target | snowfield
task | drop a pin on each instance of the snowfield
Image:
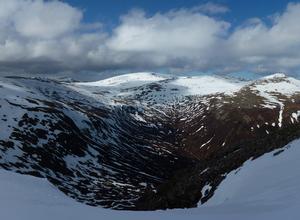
(159, 88)
(265, 188)
(127, 80)
(193, 85)
(205, 85)
(169, 87)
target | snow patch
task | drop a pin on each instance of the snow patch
(205, 190)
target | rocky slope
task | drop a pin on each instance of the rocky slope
(143, 141)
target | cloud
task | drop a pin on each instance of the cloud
(45, 36)
(167, 33)
(275, 47)
(39, 19)
(212, 8)
(174, 39)
(40, 36)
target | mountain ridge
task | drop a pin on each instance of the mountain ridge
(131, 146)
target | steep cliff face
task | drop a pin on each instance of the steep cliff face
(143, 141)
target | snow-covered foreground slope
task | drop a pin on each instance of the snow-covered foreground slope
(268, 186)
(265, 188)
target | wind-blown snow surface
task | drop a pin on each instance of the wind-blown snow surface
(265, 188)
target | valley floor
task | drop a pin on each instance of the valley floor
(266, 188)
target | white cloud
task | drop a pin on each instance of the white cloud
(176, 39)
(46, 19)
(38, 35)
(275, 47)
(39, 19)
(173, 32)
(49, 36)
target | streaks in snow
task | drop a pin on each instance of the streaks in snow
(206, 143)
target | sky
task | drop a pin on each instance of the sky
(109, 36)
(109, 11)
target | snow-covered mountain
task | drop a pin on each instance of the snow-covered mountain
(144, 141)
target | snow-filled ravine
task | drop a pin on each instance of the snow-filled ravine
(265, 188)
